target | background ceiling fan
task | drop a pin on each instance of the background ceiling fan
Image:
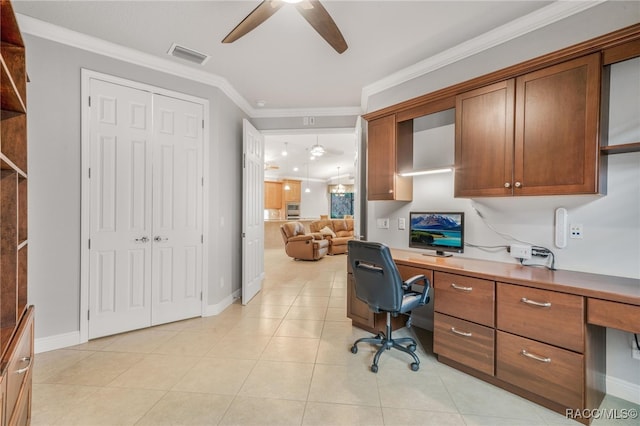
(311, 10)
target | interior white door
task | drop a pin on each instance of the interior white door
(252, 211)
(177, 209)
(120, 209)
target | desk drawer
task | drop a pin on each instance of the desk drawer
(465, 342)
(554, 373)
(613, 314)
(465, 297)
(547, 316)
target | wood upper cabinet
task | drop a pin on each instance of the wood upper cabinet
(272, 195)
(293, 194)
(484, 141)
(389, 150)
(533, 135)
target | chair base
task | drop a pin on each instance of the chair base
(387, 342)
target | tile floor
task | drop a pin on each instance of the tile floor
(282, 360)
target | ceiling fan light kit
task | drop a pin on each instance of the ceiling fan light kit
(311, 10)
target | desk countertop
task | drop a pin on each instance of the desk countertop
(606, 287)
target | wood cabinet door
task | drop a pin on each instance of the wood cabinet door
(272, 195)
(556, 129)
(381, 158)
(484, 141)
(293, 194)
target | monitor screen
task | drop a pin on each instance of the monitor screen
(439, 231)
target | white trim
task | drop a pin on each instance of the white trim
(85, 77)
(540, 18)
(547, 15)
(219, 307)
(68, 37)
(58, 341)
(78, 40)
(623, 389)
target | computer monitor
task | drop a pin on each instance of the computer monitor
(439, 231)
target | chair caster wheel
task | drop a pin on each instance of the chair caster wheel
(374, 368)
(412, 348)
(354, 349)
(415, 366)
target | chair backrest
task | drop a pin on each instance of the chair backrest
(377, 280)
(291, 229)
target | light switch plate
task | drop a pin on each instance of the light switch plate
(401, 223)
(383, 223)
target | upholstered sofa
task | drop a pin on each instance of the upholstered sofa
(337, 231)
(300, 245)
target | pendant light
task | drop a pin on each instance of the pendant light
(307, 190)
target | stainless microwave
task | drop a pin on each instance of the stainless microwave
(293, 210)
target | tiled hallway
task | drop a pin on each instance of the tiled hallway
(282, 360)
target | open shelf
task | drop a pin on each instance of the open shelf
(620, 149)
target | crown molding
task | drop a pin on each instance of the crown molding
(92, 44)
(547, 15)
(307, 112)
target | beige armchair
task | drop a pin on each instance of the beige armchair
(303, 246)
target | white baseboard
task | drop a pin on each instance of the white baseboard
(59, 341)
(623, 389)
(222, 305)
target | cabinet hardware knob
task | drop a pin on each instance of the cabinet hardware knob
(25, 369)
(461, 333)
(391, 191)
(142, 239)
(458, 287)
(536, 357)
(518, 185)
(534, 303)
(507, 184)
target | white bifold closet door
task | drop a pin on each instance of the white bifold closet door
(145, 209)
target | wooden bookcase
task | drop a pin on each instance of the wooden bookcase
(16, 319)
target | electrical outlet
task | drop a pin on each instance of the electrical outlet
(575, 231)
(520, 251)
(401, 223)
(383, 223)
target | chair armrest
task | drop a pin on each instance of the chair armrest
(317, 236)
(307, 237)
(418, 284)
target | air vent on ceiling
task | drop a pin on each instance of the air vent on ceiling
(188, 54)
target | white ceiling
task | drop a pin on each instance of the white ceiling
(284, 62)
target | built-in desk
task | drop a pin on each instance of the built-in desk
(535, 332)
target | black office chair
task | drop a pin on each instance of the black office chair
(378, 283)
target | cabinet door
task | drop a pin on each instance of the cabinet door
(272, 195)
(389, 149)
(556, 130)
(293, 193)
(484, 141)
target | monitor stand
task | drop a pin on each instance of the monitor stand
(438, 254)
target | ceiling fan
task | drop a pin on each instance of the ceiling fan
(311, 10)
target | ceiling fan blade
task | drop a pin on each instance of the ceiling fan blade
(255, 18)
(322, 22)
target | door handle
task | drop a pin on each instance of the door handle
(158, 239)
(142, 239)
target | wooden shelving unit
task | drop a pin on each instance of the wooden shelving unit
(620, 149)
(16, 319)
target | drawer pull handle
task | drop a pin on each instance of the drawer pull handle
(25, 369)
(461, 333)
(458, 287)
(536, 357)
(534, 303)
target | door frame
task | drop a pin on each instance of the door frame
(85, 191)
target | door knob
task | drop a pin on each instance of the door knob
(142, 239)
(158, 239)
(518, 185)
(507, 184)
